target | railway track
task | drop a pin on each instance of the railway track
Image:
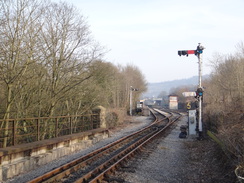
(96, 166)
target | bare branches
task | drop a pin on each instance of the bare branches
(49, 60)
(53, 38)
(225, 101)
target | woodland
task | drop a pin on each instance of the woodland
(50, 64)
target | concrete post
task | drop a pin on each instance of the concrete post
(102, 115)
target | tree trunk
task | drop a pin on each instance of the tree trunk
(7, 115)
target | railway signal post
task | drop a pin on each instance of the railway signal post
(131, 90)
(198, 52)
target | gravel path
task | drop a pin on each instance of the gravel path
(164, 164)
(176, 160)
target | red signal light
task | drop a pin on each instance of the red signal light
(186, 52)
(191, 51)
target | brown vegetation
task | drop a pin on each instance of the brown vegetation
(50, 65)
(224, 99)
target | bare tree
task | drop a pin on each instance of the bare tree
(68, 50)
(224, 99)
(50, 65)
(132, 77)
(18, 34)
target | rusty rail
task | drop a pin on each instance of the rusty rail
(111, 165)
(82, 162)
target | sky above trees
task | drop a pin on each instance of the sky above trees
(149, 33)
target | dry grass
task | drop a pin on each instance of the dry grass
(209, 162)
(229, 129)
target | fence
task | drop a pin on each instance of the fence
(26, 130)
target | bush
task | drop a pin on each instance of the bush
(224, 101)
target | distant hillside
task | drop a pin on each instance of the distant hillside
(154, 89)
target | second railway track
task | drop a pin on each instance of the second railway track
(97, 165)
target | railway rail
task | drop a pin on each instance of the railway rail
(97, 165)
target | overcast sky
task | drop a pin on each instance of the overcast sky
(148, 33)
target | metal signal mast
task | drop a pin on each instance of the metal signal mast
(199, 93)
